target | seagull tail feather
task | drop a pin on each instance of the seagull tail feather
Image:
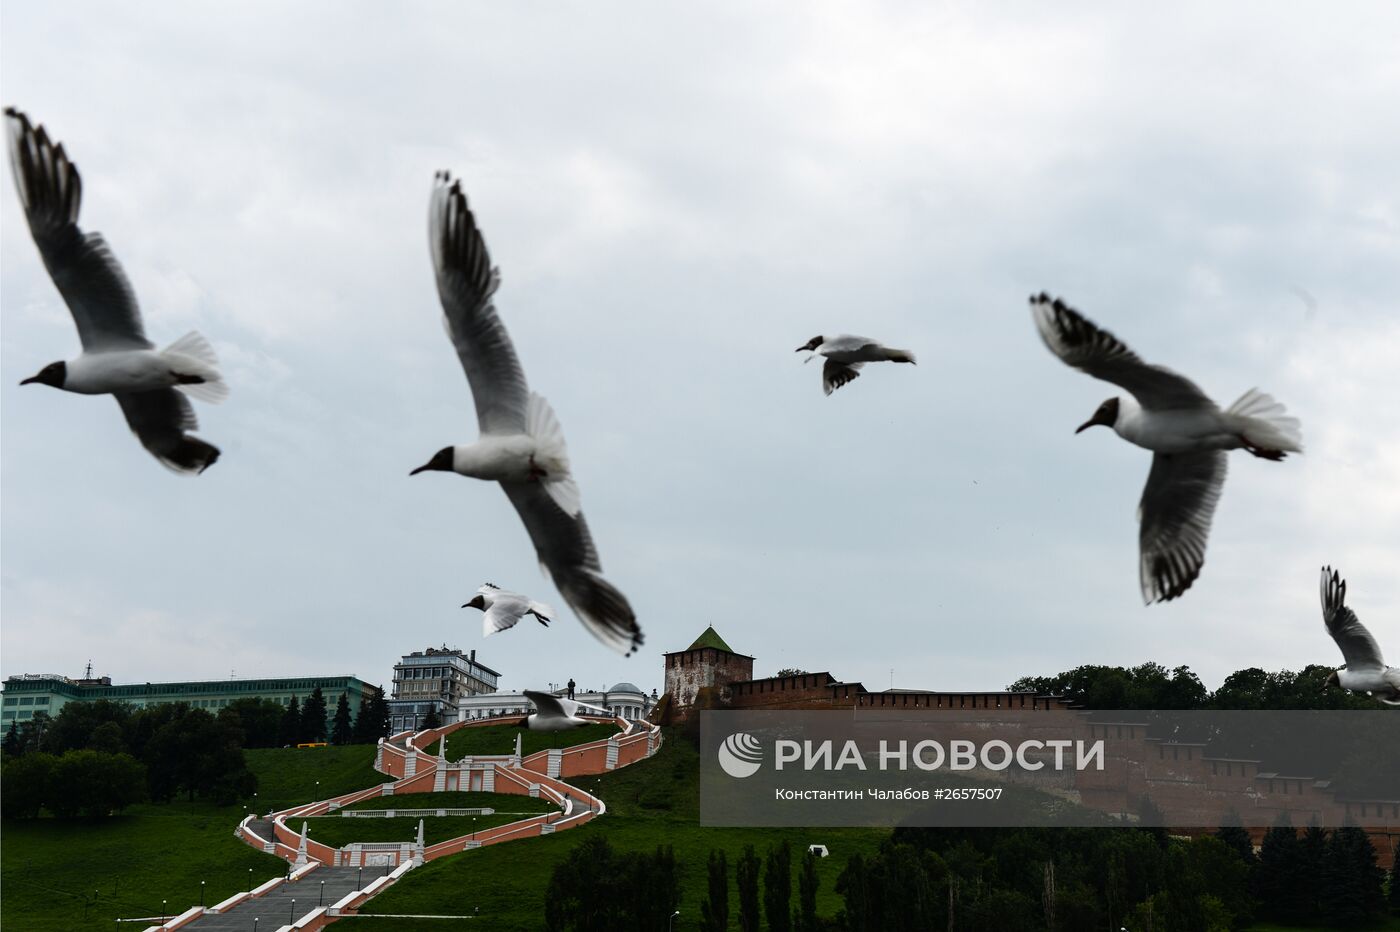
(1265, 424)
(195, 360)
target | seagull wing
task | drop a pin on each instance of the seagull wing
(835, 374)
(551, 705)
(565, 549)
(160, 419)
(88, 276)
(503, 614)
(1079, 343)
(1177, 505)
(466, 283)
(1358, 647)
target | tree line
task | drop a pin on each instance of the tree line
(996, 880)
(1152, 686)
(97, 758)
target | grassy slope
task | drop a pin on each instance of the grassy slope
(51, 869)
(500, 739)
(520, 871)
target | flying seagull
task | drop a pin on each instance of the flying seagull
(1365, 670)
(1186, 432)
(555, 713)
(503, 609)
(521, 444)
(845, 355)
(117, 359)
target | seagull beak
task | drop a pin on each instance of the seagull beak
(1085, 426)
(800, 349)
(32, 378)
(424, 468)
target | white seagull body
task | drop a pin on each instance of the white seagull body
(555, 713)
(1187, 433)
(1365, 670)
(503, 609)
(521, 444)
(845, 356)
(117, 359)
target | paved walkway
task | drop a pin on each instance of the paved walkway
(274, 909)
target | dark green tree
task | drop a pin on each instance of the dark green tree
(596, 889)
(342, 732)
(1237, 838)
(10, 744)
(260, 721)
(26, 784)
(807, 883)
(1395, 887)
(289, 732)
(714, 911)
(313, 717)
(777, 888)
(74, 726)
(91, 783)
(1278, 879)
(372, 719)
(432, 719)
(1312, 858)
(1352, 894)
(746, 871)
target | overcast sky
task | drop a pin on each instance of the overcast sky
(678, 195)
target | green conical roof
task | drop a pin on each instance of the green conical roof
(710, 638)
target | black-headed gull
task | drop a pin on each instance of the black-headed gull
(521, 444)
(503, 609)
(846, 354)
(1186, 431)
(117, 359)
(555, 713)
(1365, 670)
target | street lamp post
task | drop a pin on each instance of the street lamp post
(293, 917)
(360, 880)
(250, 880)
(322, 901)
(670, 923)
(201, 894)
(162, 912)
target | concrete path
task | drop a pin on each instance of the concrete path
(274, 910)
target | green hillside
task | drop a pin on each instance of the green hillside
(63, 875)
(650, 803)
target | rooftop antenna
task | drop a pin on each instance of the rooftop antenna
(891, 677)
(87, 674)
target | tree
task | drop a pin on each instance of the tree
(1351, 893)
(289, 732)
(27, 781)
(1312, 857)
(10, 746)
(74, 726)
(432, 719)
(372, 720)
(789, 671)
(596, 889)
(192, 751)
(93, 783)
(1279, 876)
(1236, 837)
(746, 876)
(714, 911)
(777, 888)
(1395, 886)
(313, 717)
(807, 894)
(260, 721)
(341, 730)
